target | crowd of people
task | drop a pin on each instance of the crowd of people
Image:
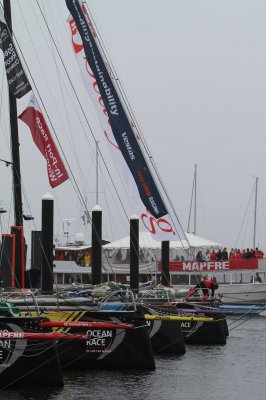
(222, 254)
(81, 258)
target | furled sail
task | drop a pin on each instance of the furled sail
(123, 142)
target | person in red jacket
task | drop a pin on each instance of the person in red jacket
(206, 285)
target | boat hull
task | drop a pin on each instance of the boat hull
(27, 363)
(115, 349)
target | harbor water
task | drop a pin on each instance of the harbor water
(234, 371)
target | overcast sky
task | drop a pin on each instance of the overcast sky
(195, 74)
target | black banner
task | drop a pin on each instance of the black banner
(119, 122)
(17, 80)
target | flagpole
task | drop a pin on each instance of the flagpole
(18, 217)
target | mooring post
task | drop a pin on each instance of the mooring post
(47, 275)
(134, 253)
(96, 245)
(165, 263)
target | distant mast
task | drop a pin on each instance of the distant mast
(255, 213)
(194, 194)
(195, 200)
(14, 138)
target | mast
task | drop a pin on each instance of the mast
(255, 212)
(194, 194)
(195, 199)
(14, 138)
(97, 171)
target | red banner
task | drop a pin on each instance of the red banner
(32, 116)
(209, 266)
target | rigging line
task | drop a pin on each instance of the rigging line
(52, 96)
(74, 149)
(249, 202)
(31, 371)
(122, 93)
(75, 186)
(247, 316)
(83, 112)
(131, 113)
(79, 104)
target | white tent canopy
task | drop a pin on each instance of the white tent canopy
(146, 241)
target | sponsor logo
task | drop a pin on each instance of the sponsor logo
(100, 340)
(205, 266)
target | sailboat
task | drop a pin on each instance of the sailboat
(109, 340)
(118, 346)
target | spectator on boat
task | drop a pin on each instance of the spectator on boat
(177, 258)
(247, 254)
(141, 256)
(252, 253)
(80, 258)
(224, 254)
(259, 253)
(199, 256)
(207, 255)
(232, 253)
(213, 256)
(87, 260)
(219, 255)
(127, 258)
(238, 254)
(118, 256)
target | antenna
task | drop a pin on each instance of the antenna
(66, 225)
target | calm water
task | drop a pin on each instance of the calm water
(234, 371)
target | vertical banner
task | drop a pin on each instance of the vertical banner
(17, 80)
(33, 117)
(118, 131)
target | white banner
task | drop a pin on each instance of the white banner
(162, 229)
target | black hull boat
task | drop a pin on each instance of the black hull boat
(166, 336)
(213, 331)
(106, 347)
(207, 333)
(27, 362)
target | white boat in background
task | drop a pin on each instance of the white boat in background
(240, 281)
(236, 278)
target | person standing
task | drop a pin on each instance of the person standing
(224, 254)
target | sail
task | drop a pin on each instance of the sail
(16, 77)
(33, 117)
(123, 142)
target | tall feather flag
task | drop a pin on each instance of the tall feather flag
(16, 77)
(33, 117)
(118, 131)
